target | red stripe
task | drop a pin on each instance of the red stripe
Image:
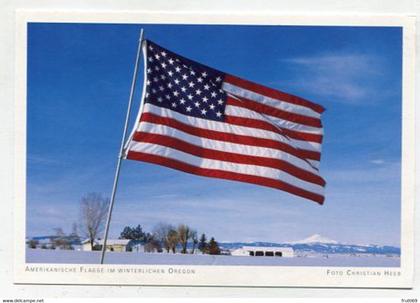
(268, 110)
(254, 123)
(221, 174)
(273, 93)
(228, 156)
(228, 137)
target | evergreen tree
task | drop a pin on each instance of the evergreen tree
(213, 247)
(127, 233)
(202, 244)
(138, 234)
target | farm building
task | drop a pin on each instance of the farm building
(118, 245)
(260, 251)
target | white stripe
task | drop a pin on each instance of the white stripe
(232, 110)
(280, 104)
(143, 94)
(253, 170)
(236, 111)
(226, 146)
(216, 125)
(314, 163)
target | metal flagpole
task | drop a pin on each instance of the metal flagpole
(120, 155)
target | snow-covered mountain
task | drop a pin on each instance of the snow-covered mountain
(317, 244)
(316, 238)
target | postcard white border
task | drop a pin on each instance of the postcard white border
(217, 275)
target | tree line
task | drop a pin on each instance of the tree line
(163, 237)
(169, 238)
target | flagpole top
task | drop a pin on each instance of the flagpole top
(141, 35)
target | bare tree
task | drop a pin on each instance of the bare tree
(59, 232)
(161, 232)
(93, 212)
(33, 243)
(74, 230)
(194, 239)
(60, 239)
(172, 239)
(152, 246)
(184, 234)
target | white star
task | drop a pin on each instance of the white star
(183, 89)
(147, 95)
(188, 108)
(154, 91)
(157, 57)
(192, 72)
(197, 104)
(150, 47)
(167, 97)
(198, 92)
(155, 79)
(219, 114)
(171, 61)
(176, 93)
(157, 68)
(169, 85)
(213, 94)
(204, 74)
(149, 70)
(148, 82)
(162, 77)
(205, 99)
(200, 79)
(161, 88)
(170, 73)
(163, 65)
(203, 111)
(177, 69)
(173, 104)
(190, 96)
(218, 79)
(160, 99)
(212, 106)
(182, 101)
(220, 101)
(206, 87)
(176, 81)
(184, 77)
(150, 59)
(191, 84)
(163, 54)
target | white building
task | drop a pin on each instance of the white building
(260, 251)
(137, 247)
(118, 245)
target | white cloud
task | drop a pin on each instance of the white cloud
(346, 78)
(377, 161)
(381, 174)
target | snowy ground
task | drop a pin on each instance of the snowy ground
(93, 257)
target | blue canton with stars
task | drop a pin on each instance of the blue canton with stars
(183, 85)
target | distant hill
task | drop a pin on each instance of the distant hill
(317, 244)
(314, 244)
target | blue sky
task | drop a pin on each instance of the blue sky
(79, 77)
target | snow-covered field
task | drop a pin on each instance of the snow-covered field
(93, 257)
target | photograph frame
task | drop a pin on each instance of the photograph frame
(203, 275)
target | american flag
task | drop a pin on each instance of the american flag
(203, 121)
